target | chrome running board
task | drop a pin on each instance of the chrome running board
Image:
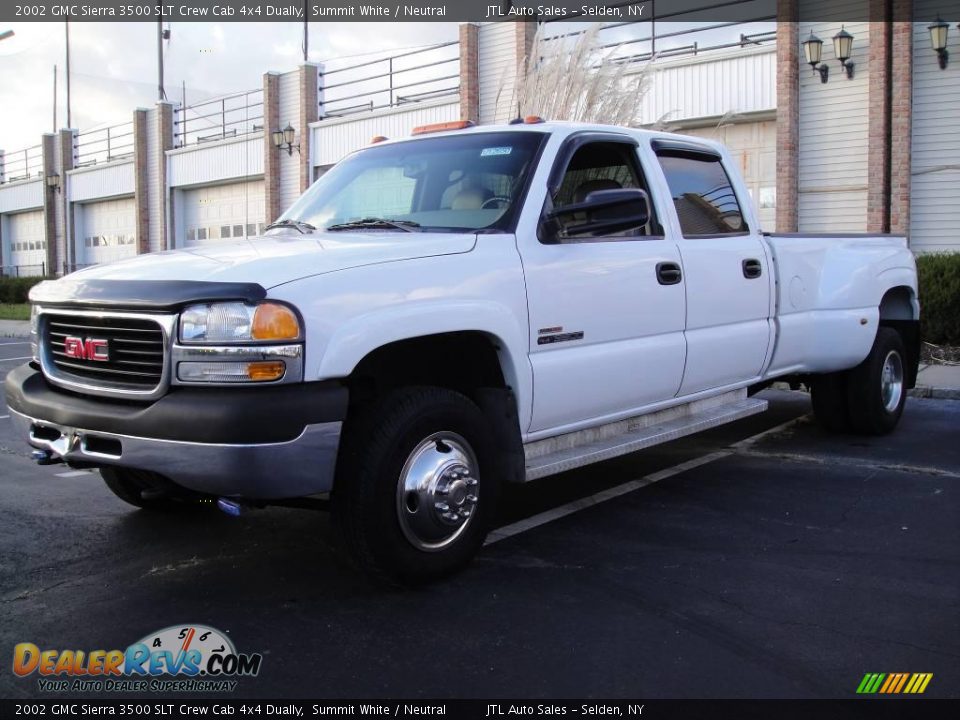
(584, 447)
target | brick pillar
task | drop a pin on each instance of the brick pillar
(526, 31)
(67, 157)
(901, 125)
(788, 115)
(878, 129)
(161, 204)
(48, 145)
(470, 72)
(309, 112)
(271, 158)
(140, 178)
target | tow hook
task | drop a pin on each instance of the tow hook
(45, 457)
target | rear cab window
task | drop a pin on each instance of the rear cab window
(703, 195)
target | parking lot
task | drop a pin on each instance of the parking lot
(760, 559)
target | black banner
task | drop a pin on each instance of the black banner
(452, 10)
(914, 708)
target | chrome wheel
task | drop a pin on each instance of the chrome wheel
(891, 381)
(437, 493)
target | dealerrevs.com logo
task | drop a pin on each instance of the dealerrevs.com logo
(186, 658)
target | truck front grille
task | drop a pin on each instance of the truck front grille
(111, 352)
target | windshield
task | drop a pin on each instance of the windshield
(452, 183)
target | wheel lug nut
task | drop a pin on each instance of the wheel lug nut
(472, 499)
(441, 506)
(471, 482)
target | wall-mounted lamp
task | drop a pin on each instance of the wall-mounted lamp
(53, 182)
(284, 139)
(843, 49)
(813, 51)
(938, 41)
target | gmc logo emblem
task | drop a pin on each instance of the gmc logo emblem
(89, 349)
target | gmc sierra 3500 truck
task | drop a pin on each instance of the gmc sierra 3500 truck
(441, 314)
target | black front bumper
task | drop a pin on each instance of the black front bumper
(262, 443)
(202, 415)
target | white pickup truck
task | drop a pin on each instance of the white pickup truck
(441, 314)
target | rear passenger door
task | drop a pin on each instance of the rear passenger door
(606, 313)
(725, 267)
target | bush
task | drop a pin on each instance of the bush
(939, 275)
(14, 290)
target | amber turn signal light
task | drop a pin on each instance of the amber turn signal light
(272, 321)
(266, 371)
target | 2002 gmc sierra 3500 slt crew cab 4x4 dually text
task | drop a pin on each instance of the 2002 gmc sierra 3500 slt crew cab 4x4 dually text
(441, 314)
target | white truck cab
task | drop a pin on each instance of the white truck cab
(441, 314)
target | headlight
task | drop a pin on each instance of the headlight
(238, 322)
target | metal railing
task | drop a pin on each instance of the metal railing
(105, 144)
(21, 164)
(656, 41)
(410, 77)
(37, 270)
(219, 118)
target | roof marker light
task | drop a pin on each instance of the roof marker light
(441, 127)
(378, 139)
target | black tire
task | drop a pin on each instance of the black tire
(875, 408)
(367, 503)
(142, 489)
(828, 394)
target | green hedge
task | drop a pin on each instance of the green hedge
(940, 297)
(13, 290)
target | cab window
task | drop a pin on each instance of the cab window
(703, 195)
(601, 166)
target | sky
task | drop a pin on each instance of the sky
(113, 66)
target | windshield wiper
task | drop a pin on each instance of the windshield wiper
(303, 227)
(405, 225)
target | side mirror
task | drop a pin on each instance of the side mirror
(606, 211)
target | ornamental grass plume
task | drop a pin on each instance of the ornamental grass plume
(573, 78)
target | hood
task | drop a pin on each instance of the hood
(276, 259)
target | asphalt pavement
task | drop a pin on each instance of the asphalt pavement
(785, 565)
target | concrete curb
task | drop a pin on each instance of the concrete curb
(934, 393)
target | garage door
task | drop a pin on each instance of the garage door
(107, 231)
(753, 146)
(28, 244)
(223, 212)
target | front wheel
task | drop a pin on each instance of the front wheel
(877, 388)
(414, 491)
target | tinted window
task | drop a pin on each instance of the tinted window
(702, 194)
(600, 166)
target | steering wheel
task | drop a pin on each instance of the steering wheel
(496, 198)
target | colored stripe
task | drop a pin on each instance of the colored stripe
(903, 680)
(888, 683)
(926, 681)
(876, 684)
(913, 681)
(862, 687)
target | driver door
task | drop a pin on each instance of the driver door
(606, 313)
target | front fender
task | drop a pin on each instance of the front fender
(349, 314)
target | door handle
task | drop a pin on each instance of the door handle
(752, 269)
(668, 273)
